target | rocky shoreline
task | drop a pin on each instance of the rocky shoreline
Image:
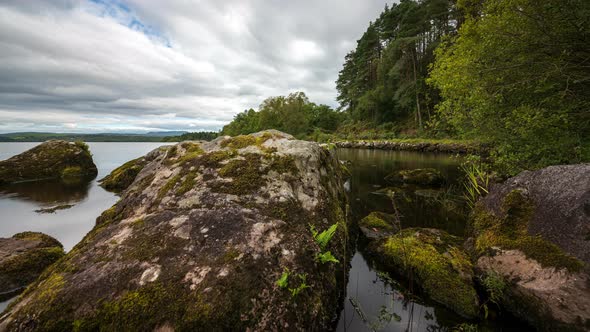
(441, 147)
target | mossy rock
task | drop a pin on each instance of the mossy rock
(123, 176)
(420, 176)
(378, 225)
(23, 258)
(528, 230)
(434, 260)
(48, 160)
(198, 242)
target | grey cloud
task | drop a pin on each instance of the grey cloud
(194, 66)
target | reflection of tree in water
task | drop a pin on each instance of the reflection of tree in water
(49, 192)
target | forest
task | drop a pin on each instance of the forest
(514, 74)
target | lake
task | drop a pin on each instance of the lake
(373, 302)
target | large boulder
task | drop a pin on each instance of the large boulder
(243, 233)
(123, 176)
(23, 257)
(49, 160)
(533, 232)
(436, 261)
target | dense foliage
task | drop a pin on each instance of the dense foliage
(518, 75)
(514, 73)
(293, 114)
(383, 79)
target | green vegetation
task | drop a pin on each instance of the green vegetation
(72, 171)
(510, 232)
(516, 74)
(197, 136)
(283, 282)
(123, 176)
(293, 114)
(442, 269)
(322, 239)
(378, 220)
(476, 183)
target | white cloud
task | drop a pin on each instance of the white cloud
(74, 65)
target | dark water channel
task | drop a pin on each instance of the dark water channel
(374, 301)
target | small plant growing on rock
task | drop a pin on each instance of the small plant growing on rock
(324, 237)
(283, 281)
(302, 286)
(322, 240)
(476, 183)
(326, 257)
(495, 287)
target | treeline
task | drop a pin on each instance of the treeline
(293, 114)
(196, 136)
(514, 73)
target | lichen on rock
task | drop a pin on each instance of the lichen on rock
(23, 257)
(48, 160)
(436, 262)
(197, 242)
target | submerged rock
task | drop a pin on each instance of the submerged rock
(531, 231)
(23, 257)
(420, 176)
(51, 159)
(123, 176)
(214, 236)
(436, 262)
(378, 225)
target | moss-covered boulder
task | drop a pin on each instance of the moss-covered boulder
(23, 257)
(420, 176)
(238, 233)
(435, 261)
(49, 160)
(378, 225)
(123, 176)
(531, 231)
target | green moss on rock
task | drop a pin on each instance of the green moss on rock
(421, 176)
(26, 256)
(510, 232)
(438, 265)
(52, 159)
(123, 176)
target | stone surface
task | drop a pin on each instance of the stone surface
(123, 176)
(23, 257)
(48, 160)
(457, 148)
(199, 241)
(533, 231)
(420, 176)
(378, 225)
(437, 264)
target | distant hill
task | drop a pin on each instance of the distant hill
(165, 133)
(101, 137)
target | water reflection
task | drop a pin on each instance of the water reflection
(49, 192)
(376, 302)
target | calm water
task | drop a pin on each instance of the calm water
(18, 202)
(373, 301)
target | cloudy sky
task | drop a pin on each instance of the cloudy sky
(148, 65)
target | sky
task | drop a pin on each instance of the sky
(150, 65)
